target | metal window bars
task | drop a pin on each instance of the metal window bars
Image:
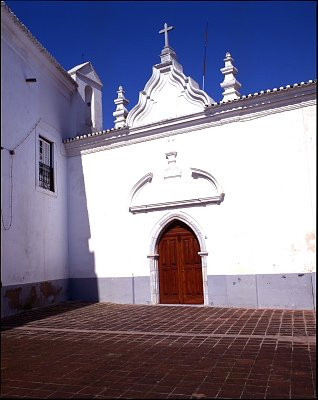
(46, 180)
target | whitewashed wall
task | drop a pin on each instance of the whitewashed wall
(82, 242)
(35, 248)
(264, 226)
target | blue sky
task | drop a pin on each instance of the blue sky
(273, 43)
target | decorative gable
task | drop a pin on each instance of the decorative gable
(86, 70)
(169, 93)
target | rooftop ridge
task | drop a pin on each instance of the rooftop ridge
(268, 91)
(37, 43)
(220, 103)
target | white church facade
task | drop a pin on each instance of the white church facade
(185, 201)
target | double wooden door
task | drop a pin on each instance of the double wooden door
(180, 270)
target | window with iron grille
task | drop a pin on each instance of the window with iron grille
(46, 175)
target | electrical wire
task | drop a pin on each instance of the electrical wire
(19, 144)
(12, 153)
(6, 228)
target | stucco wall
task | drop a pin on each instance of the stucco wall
(35, 248)
(82, 242)
(264, 225)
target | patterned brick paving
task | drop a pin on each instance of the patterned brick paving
(105, 350)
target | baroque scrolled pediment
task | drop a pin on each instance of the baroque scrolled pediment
(168, 94)
(174, 188)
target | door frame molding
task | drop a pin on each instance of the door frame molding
(153, 255)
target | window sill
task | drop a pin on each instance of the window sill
(46, 191)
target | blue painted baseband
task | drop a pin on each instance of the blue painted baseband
(291, 291)
(285, 291)
(126, 290)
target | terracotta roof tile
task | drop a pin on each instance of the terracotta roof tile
(287, 87)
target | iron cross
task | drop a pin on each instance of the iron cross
(165, 31)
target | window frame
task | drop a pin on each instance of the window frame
(39, 188)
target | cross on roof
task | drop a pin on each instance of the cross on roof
(165, 31)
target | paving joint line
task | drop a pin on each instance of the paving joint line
(297, 339)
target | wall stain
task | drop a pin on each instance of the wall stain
(27, 297)
(14, 298)
(310, 240)
(49, 291)
(32, 300)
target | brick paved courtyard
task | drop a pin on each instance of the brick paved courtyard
(105, 350)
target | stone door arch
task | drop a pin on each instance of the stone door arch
(179, 266)
(198, 243)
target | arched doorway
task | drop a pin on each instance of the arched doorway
(179, 265)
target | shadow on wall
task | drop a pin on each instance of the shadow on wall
(82, 279)
(21, 297)
(23, 318)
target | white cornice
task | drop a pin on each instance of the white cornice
(178, 204)
(241, 110)
(196, 173)
(6, 11)
(35, 62)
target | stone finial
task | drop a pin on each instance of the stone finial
(121, 110)
(167, 55)
(230, 84)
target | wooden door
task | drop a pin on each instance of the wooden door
(180, 270)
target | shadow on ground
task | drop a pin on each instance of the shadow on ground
(41, 313)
